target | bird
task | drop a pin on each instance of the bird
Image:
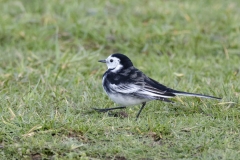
(127, 86)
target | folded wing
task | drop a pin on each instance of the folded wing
(145, 89)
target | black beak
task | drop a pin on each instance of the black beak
(103, 61)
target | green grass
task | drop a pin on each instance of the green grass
(50, 79)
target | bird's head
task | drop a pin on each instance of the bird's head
(117, 61)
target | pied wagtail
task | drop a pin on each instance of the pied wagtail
(126, 85)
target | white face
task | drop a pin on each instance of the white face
(113, 63)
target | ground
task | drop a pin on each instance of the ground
(50, 79)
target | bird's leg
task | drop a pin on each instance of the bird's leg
(108, 109)
(143, 105)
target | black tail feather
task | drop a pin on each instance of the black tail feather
(180, 93)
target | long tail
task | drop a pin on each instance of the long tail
(180, 93)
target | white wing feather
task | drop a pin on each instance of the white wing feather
(125, 88)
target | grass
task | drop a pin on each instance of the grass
(50, 79)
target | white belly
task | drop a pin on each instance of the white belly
(126, 100)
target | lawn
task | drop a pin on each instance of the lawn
(50, 79)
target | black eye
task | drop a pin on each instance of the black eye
(111, 60)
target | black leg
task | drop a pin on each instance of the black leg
(143, 105)
(108, 109)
